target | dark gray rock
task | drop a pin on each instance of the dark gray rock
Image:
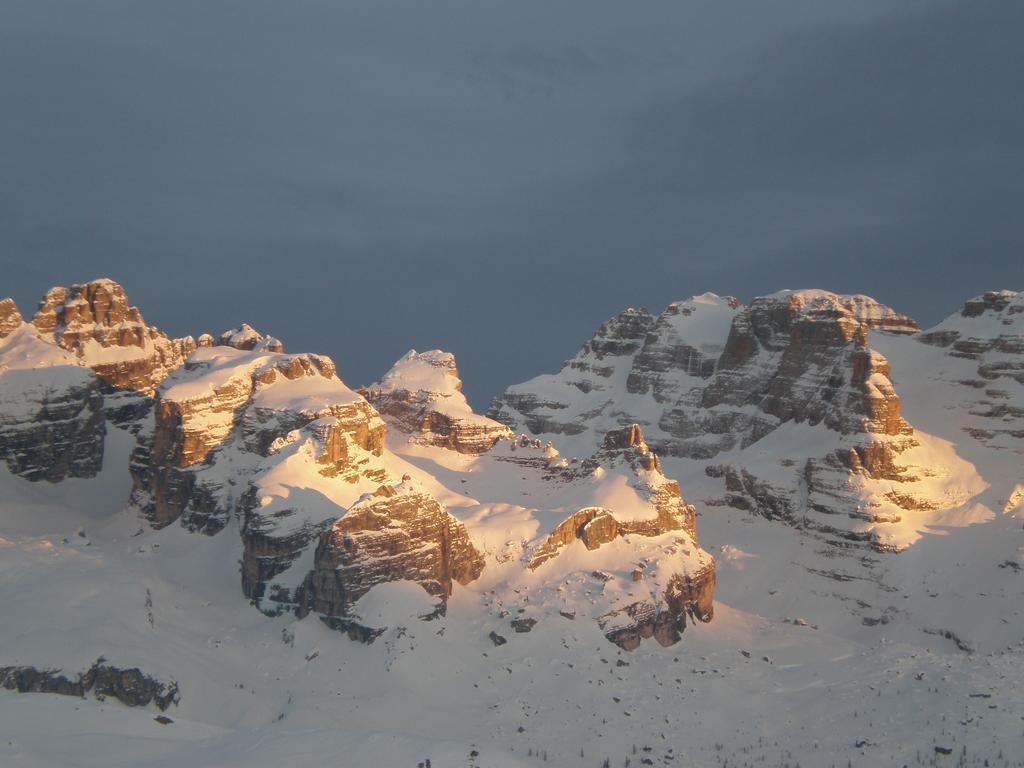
(130, 686)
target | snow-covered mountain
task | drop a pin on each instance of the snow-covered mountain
(791, 402)
(278, 568)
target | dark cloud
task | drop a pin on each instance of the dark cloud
(496, 179)
(885, 156)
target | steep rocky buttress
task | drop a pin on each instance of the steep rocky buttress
(398, 532)
(95, 322)
(86, 357)
(421, 396)
(52, 420)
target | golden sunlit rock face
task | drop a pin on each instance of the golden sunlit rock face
(95, 322)
(421, 396)
(396, 533)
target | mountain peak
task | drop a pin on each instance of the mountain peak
(421, 396)
(433, 372)
(247, 338)
(862, 309)
(10, 318)
(992, 301)
(96, 322)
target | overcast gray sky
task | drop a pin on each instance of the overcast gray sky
(497, 178)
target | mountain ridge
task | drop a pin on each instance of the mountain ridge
(805, 473)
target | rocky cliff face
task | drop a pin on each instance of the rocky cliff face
(131, 687)
(682, 348)
(677, 376)
(52, 422)
(10, 318)
(248, 338)
(795, 356)
(634, 369)
(421, 396)
(86, 356)
(587, 386)
(96, 324)
(397, 533)
(803, 358)
(689, 595)
(279, 444)
(799, 378)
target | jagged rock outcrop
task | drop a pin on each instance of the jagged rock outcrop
(686, 595)
(987, 322)
(247, 338)
(95, 322)
(422, 396)
(627, 450)
(52, 422)
(130, 686)
(86, 356)
(275, 441)
(682, 578)
(398, 532)
(691, 374)
(10, 318)
(871, 313)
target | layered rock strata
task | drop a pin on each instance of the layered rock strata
(52, 421)
(95, 323)
(226, 411)
(713, 376)
(421, 396)
(398, 532)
